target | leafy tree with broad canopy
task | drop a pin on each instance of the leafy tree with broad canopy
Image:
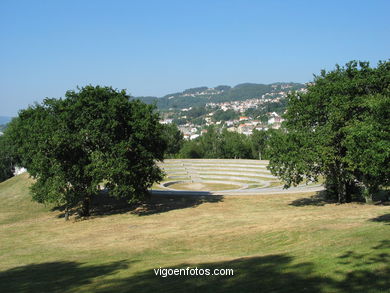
(95, 136)
(338, 129)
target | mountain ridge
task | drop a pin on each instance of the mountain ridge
(200, 96)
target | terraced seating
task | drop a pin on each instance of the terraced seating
(233, 172)
(246, 176)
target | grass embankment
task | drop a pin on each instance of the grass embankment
(274, 243)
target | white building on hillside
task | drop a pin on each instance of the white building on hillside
(166, 121)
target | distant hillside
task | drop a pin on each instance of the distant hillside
(3, 122)
(202, 95)
(5, 119)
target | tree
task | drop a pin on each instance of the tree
(7, 160)
(234, 145)
(260, 143)
(210, 142)
(196, 112)
(173, 139)
(218, 143)
(221, 115)
(336, 129)
(191, 149)
(368, 144)
(95, 136)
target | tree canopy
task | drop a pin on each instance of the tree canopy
(339, 129)
(7, 160)
(222, 144)
(96, 136)
(173, 138)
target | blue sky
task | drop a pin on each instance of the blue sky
(159, 47)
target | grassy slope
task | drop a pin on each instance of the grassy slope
(274, 243)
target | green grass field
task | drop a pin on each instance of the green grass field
(274, 243)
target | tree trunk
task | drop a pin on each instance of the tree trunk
(340, 190)
(66, 213)
(85, 207)
(341, 182)
(369, 192)
(350, 188)
(334, 184)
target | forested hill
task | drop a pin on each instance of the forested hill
(202, 95)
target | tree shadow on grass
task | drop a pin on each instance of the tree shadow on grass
(321, 198)
(160, 203)
(104, 205)
(357, 272)
(366, 271)
(273, 273)
(361, 279)
(54, 276)
(383, 219)
(318, 199)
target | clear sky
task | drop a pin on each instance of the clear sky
(160, 47)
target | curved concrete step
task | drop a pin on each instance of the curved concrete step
(246, 161)
(176, 173)
(207, 165)
(252, 179)
(237, 173)
(178, 177)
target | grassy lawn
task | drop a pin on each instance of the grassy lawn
(274, 243)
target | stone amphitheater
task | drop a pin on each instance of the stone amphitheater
(222, 176)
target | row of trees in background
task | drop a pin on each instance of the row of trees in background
(223, 144)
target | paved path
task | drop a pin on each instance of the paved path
(254, 191)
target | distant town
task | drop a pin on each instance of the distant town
(242, 116)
